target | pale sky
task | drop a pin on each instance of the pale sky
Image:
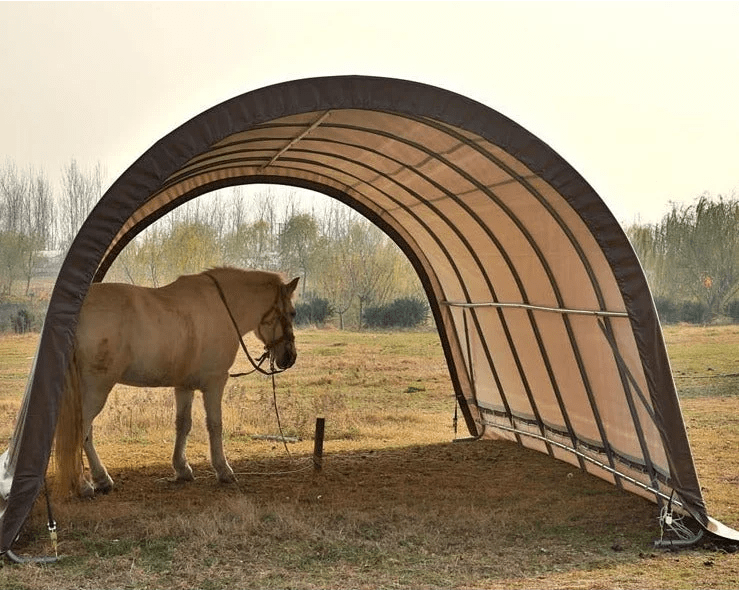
(642, 99)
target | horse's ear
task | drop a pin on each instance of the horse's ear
(290, 287)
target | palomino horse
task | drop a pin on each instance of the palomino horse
(182, 335)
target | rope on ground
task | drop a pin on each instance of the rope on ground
(308, 466)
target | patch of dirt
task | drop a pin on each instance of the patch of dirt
(515, 490)
(474, 514)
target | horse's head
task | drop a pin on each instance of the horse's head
(275, 329)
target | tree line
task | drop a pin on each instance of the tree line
(35, 219)
(691, 260)
(342, 259)
(350, 270)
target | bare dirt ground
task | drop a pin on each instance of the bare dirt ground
(445, 515)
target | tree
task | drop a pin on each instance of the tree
(332, 259)
(693, 253)
(251, 242)
(298, 241)
(81, 190)
(140, 263)
(371, 264)
(38, 215)
(26, 222)
(702, 247)
(333, 279)
(250, 246)
(14, 242)
(190, 247)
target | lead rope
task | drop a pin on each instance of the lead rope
(257, 366)
(251, 371)
(277, 414)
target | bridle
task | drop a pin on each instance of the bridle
(284, 324)
(268, 347)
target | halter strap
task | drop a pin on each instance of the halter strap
(282, 320)
(256, 365)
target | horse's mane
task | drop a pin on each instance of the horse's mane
(255, 276)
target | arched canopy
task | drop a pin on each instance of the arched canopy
(544, 313)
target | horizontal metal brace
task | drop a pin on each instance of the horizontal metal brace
(532, 307)
(587, 458)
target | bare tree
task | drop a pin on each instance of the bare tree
(333, 259)
(250, 239)
(370, 265)
(139, 262)
(237, 208)
(333, 277)
(81, 190)
(38, 214)
(298, 243)
(13, 193)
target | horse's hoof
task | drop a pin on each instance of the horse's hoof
(87, 490)
(183, 473)
(104, 488)
(226, 478)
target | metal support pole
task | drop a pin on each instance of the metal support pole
(318, 444)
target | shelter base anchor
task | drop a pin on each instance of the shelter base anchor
(683, 535)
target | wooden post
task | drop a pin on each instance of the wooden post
(318, 444)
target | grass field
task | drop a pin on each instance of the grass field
(397, 504)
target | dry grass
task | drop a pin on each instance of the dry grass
(16, 359)
(397, 505)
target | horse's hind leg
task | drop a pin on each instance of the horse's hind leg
(212, 401)
(101, 480)
(184, 424)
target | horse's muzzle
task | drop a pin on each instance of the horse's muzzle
(286, 359)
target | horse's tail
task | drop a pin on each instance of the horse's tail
(68, 449)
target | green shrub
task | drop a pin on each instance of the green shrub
(403, 313)
(692, 312)
(22, 321)
(317, 311)
(667, 311)
(732, 310)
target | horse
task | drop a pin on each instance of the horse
(184, 335)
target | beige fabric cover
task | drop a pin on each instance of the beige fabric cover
(545, 316)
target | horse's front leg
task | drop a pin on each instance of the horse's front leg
(183, 424)
(212, 396)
